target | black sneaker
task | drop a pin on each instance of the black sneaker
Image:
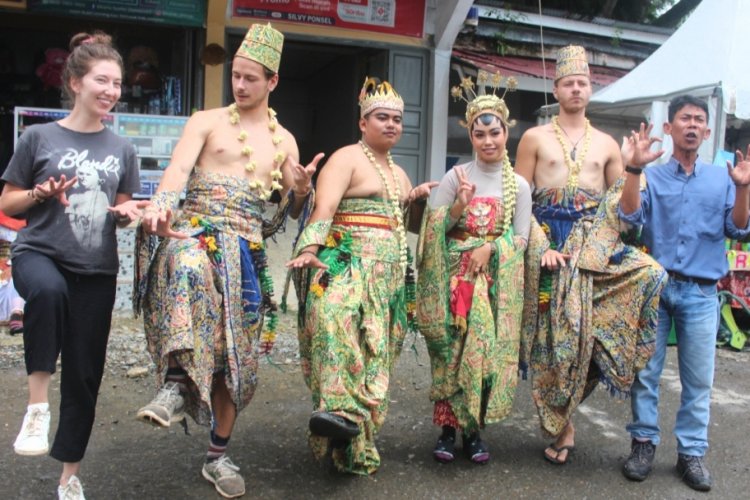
(638, 465)
(323, 423)
(693, 472)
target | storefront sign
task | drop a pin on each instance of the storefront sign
(174, 12)
(13, 4)
(397, 17)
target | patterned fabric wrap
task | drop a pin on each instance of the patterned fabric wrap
(351, 329)
(473, 339)
(600, 323)
(204, 307)
(166, 200)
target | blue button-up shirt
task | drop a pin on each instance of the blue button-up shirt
(686, 217)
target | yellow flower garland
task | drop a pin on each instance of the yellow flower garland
(394, 196)
(278, 158)
(574, 167)
(510, 190)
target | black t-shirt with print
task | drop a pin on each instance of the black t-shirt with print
(80, 237)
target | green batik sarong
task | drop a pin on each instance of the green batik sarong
(471, 326)
(352, 324)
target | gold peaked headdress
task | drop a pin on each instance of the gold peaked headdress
(378, 95)
(479, 104)
(571, 60)
(263, 45)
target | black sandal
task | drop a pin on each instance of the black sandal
(444, 451)
(475, 449)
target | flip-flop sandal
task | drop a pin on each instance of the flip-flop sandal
(557, 451)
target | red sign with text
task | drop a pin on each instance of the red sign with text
(397, 17)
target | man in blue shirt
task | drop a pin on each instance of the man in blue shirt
(686, 208)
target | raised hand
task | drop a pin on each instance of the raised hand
(636, 149)
(132, 209)
(302, 175)
(466, 190)
(52, 188)
(740, 174)
(422, 191)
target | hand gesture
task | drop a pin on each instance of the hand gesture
(306, 258)
(132, 209)
(302, 176)
(466, 189)
(636, 149)
(422, 191)
(479, 259)
(740, 174)
(553, 260)
(55, 189)
(159, 222)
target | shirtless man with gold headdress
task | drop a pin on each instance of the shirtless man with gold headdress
(576, 263)
(353, 298)
(206, 291)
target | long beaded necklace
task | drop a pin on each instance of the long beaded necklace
(394, 197)
(574, 164)
(247, 151)
(510, 189)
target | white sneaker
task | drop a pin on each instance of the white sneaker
(72, 491)
(32, 440)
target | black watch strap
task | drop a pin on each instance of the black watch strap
(633, 170)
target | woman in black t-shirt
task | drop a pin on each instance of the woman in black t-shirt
(65, 272)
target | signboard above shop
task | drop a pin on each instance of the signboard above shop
(395, 17)
(173, 12)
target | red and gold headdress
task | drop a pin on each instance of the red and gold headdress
(378, 95)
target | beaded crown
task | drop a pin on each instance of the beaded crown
(571, 60)
(479, 104)
(263, 45)
(376, 94)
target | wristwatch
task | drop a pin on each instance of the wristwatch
(633, 170)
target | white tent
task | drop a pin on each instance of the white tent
(708, 56)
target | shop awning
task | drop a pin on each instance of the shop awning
(522, 66)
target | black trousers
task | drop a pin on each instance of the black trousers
(66, 314)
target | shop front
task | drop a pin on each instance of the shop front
(329, 49)
(158, 41)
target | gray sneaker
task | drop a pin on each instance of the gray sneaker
(166, 408)
(224, 474)
(641, 460)
(693, 472)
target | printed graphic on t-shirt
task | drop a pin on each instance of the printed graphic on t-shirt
(87, 212)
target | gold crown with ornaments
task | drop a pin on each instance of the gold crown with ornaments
(479, 102)
(376, 94)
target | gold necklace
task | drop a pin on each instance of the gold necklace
(574, 165)
(394, 196)
(251, 165)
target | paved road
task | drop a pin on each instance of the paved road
(129, 460)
